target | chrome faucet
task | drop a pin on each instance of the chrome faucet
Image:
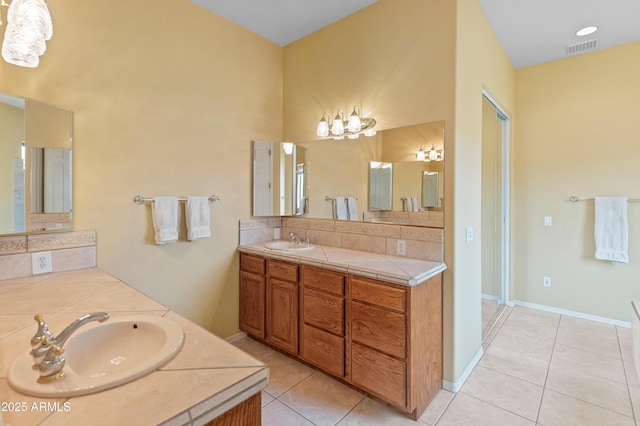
(295, 238)
(48, 357)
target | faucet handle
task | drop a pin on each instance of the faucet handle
(43, 335)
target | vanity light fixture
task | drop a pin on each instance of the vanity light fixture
(29, 26)
(431, 155)
(351, 128)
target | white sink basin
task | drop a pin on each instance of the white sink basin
(286, 245)
(119, 351)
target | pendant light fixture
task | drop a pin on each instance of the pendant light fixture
(29, 26)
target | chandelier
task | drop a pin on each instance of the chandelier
(351, 128)
(28, 28)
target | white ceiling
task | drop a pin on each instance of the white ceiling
(531, 31)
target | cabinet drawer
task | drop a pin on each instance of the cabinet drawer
(378, 328)
(283, 270)
(323, 349)
(329, 281)
(380, 374)
(378, 293)
(252, 264)
(323, 311)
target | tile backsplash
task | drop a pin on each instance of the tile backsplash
(69, 250)
(420, 242)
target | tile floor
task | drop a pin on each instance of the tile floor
(539, 368)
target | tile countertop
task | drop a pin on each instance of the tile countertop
(206, 378)
(394, 269)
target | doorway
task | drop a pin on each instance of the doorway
(495, 217)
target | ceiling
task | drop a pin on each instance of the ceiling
(530, 31)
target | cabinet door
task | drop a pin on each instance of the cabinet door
(323, 349)
(380, 374)
(252, 296)
(282, 314)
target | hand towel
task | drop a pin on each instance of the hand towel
(340, 208)
(611, 229)
(414, 204)
(198, 218)
(352, 208)
(164, 213)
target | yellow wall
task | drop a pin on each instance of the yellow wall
(167, 99)
(481, 63)
(578, 133)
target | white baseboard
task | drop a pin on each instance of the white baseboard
(236, 337)
(490, 297)
(457, 385)
(572, 313)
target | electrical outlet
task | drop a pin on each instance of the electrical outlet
(469, 233)
(276, 233)
(548, 221)
(546, 281)
(41, 262)
(402, 247)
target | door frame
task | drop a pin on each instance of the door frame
(505, 199)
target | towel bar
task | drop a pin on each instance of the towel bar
(139, 199)
(327, 198)
(573, 199)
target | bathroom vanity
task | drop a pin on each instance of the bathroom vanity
(371, 321)
(208, 382)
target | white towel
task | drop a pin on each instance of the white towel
(414, 204)
(352, 208)
(164, 212)
(340, 208)
(612, 229)
(198, 218)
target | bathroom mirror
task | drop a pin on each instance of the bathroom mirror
(380, 185)
(35, 152)
(341, 168)
(274, 179)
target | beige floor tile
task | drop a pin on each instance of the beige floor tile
(284, 373)
(562, 410)
(321, 400)
(604, 393)
(521, 365)
(590, 336)
(527, 316)
(632, 375)
(467, 410)
(510, 393)
(635, 402)
(626, 342)
(589, 362)
(437, 406)
(516, 339)
(277, 414)
(372, 413)
(254, 348)
(266, 398)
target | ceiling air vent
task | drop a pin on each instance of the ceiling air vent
(584, 46)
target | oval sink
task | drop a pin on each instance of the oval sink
(286, 245)
(117, 352)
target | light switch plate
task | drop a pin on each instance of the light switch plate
(469, 233)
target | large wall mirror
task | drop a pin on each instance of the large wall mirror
(345, 168)
(36, 156)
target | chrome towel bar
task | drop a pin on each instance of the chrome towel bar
(573, 199)
(139, 199)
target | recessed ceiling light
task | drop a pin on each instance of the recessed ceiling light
(586, 31)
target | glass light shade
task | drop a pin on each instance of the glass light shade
(28, 27)
(433, 154)
(323, 128)
(354, 122)
(354, 136)
(287, 147)
(370, 133)
(337, 128)
(420, 154)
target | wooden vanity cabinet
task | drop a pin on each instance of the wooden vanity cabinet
(396, 341)
(322, 322)
(382, 338)
(282, 305)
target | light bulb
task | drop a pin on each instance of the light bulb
(323, 128)
(420, 154)
(337, 128)
(354, 122)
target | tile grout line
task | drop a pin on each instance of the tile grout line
(626, 376)
(546, 377)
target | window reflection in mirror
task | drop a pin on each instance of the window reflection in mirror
(274, 178)
(380, 185)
